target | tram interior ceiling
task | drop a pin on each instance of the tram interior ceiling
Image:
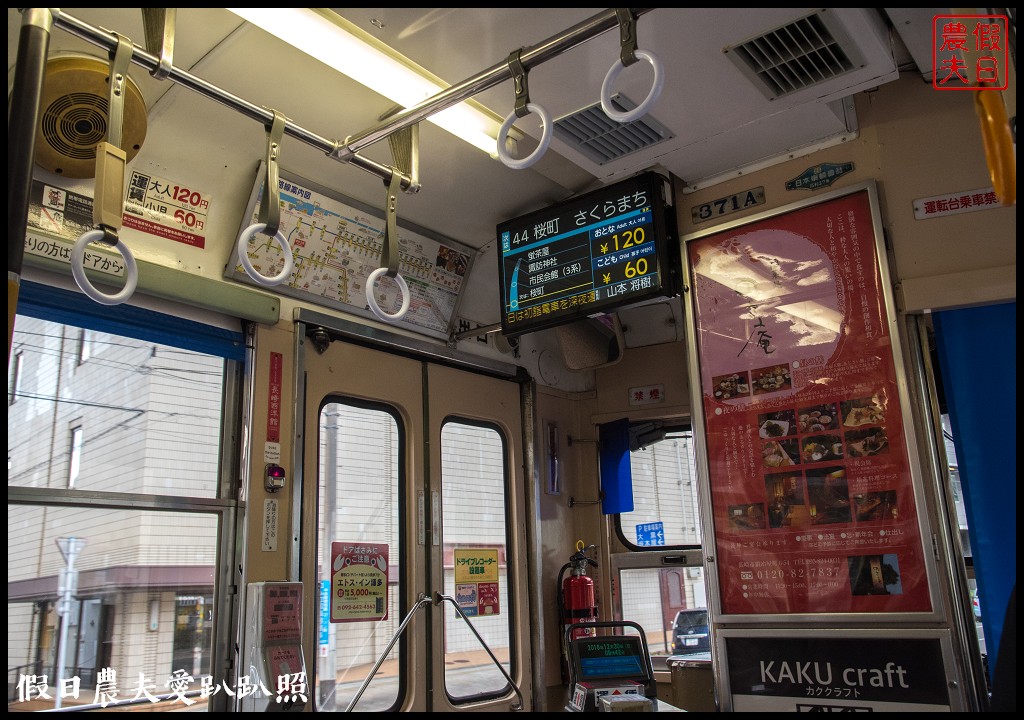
(380, 312)
(189, 62)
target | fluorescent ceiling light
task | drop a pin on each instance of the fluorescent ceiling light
(352, 52)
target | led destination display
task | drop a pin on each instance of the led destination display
(590, 254)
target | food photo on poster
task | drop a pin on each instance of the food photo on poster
(810, 474)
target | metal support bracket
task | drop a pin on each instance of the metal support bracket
(270, 203)
(159, 26)
(520, 81)
(627, 35)
(111, 160)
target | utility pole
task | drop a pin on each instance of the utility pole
(67, 587)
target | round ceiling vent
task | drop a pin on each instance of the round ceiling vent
(73, 116)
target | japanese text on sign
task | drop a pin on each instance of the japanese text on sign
(359, 581)
(586, 254)
(165, 208)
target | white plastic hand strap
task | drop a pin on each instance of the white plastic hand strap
(372, 301)
(243, 256)
(545, 139)
(131, 271)
(652, 97)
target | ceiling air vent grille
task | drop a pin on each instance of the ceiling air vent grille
(803, 53)
(602, 139)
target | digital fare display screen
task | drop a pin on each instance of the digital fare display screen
(590, 254)
(608, 657)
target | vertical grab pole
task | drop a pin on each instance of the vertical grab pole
(22, 119)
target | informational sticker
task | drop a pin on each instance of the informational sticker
(488, 603)
(166, 209)
(476, 565)
(272, 452)
(282, 613)
(819, 176)
(336, 242)
(359, 581)
(647, 395)
(955, 203)
(813, 500)
(56, 219)
(285, 662)
(476, 580)
(270, 524)
(803, 673)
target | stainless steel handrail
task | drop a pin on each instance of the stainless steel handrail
(346, 151)
(438, 597)
(423, 601)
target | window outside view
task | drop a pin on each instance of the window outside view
(360, 456)
(669, 603)
(110, 597)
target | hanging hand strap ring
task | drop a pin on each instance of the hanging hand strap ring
(522, 109)
(108, 200)
(389, 256)
(269, 220)
(628, 54)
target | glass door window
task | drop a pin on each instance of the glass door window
(419, 470)
(359, 460)
(475, 559)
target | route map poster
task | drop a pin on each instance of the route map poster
(811, 480)
(337, 242)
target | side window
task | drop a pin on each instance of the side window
(965, 539)
(661, 583)
(119, 511)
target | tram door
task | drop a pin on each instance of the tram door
(418, 470)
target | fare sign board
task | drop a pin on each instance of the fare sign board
(590, 254)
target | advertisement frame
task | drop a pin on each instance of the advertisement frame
(907, 424)
(830, 644)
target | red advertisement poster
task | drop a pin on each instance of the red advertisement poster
(811, 486)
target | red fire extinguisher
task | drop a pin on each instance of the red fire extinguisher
(577, 601)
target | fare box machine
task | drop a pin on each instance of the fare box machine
(611, 673)
(273, 645)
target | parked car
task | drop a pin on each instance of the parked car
(690, 632)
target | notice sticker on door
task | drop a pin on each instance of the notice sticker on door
(359, 581)
(270, 521)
